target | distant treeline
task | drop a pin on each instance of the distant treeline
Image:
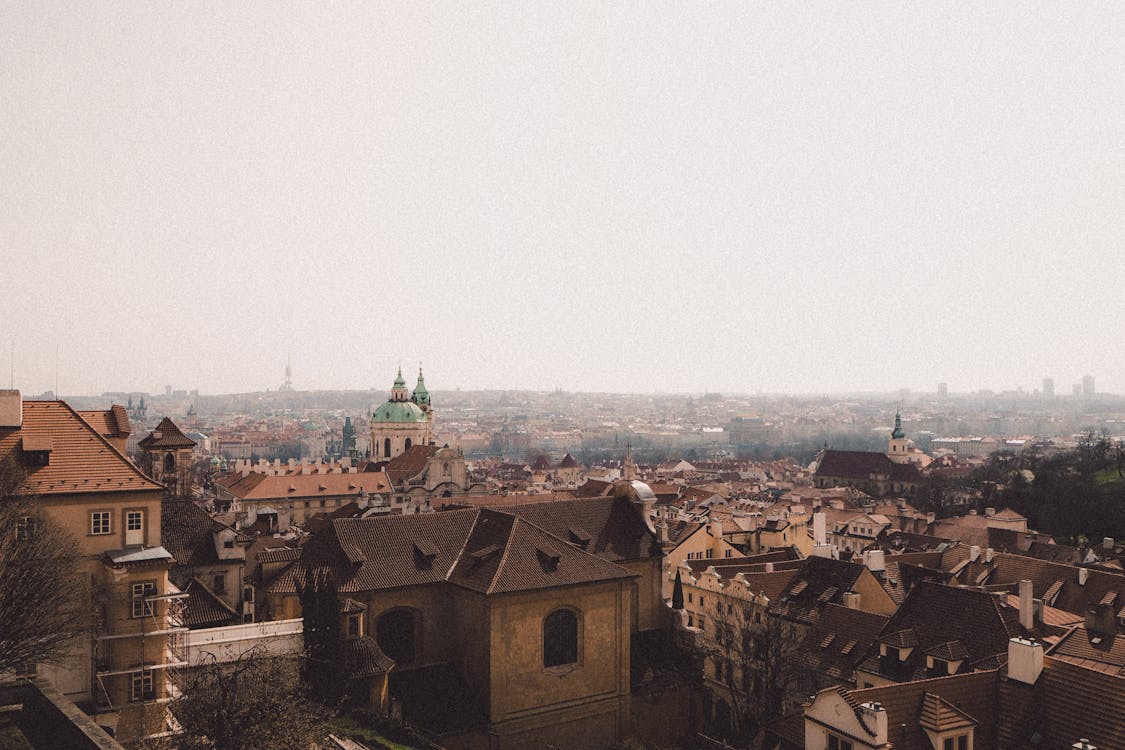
(1076, 496)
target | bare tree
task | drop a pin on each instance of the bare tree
(257, 701)
(756, 658)
(44, 596)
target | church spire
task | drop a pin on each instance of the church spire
(897, 433)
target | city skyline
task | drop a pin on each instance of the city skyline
(595, 199)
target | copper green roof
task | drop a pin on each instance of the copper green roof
(399, 411)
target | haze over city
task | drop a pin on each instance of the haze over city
(593, 198)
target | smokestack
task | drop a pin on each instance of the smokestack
(1027, 605)
(11, 408)
(818, 524)
(1025, 660)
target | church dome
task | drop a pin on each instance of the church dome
(399, 411)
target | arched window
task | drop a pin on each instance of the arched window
(397, 633)
(169, 463)
(560, 638)
(408, 444)
(386, 447)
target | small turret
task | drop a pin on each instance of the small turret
(421, 396)
(398, 390)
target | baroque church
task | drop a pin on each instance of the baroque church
(403, 421)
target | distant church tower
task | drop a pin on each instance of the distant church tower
(402, 422)
(898, 447)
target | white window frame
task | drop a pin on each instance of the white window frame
(139, 516)
(101, 522)
(143, 679)
(141, 606)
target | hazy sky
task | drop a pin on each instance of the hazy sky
(623, 197)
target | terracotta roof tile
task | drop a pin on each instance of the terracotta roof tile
(166, 435)
(81, 459)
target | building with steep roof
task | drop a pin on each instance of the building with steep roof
(403, 421)
(534, 623)
(112, 509)
(166, 457)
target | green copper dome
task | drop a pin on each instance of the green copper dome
(399, 411)
(421, 395)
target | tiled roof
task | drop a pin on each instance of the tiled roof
(568, 462)
(111, 422)
(618, 532)
(480, 549)
(861, 465)
(1009, 570)
(166, 435)
(255, 486)
(935, 615)
(940, 715)
(1067, 703)
(838, 627)
(204, 609)
(409, 463)
(81, 459)
(363, 658)
(186, 530)
(966, 698)
(1101, 652)
(804, 597)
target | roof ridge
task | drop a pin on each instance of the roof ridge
(133, 467)
(508, 544)
(464, 544)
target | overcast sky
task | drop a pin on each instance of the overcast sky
(619, 197)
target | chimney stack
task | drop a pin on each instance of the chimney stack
(1027, 605)
(1083, 576)
(1107, 542)
(875, 560)
(988, 554)
(662, 532)
(875, 716)
(851, 600)
(930, 518)
(990, 512)
(819, 524)
(11, 409)
(717, 529)
(974, 553)
(1025, 660)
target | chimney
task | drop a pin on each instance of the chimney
(1083, 576)
(973, 512)
(990, 512)
(716, 529)
(974, 553)
(662, 532)
(930, 518)
(1025, 660)
(11, 409)
(818, 525)
(1101, 619)
(1027, 605)
(851, 600)
(875, 560)
(875, 716)
(1107, 542)
(988, 554)
(769, 567)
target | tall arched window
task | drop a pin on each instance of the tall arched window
(408, 444)
(560, 638)
(386, 447)
(397, 633)
(169, 463)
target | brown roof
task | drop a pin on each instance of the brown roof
(81, 459)
(1008, 570)
(480, 549)
(862, 464)
(204, 609)
(111, 422)
(819, 581)
(255, 486)
(409, 463)
(568, 462)
(187, 532)
(826, 646)
(936, 616)
(959, 699)
(617, 530)
(166, 435)
(1102, 652)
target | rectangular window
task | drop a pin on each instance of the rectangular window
(353, 625)
(689, 597)
(248, 594)
(726, 553)
(26, 670)
(838, 743)
(141, 605)
(963, 742)
(219, 583)
(948, 744)
(142, 685)
(134, 520)
(710, 553)
(100, 522)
